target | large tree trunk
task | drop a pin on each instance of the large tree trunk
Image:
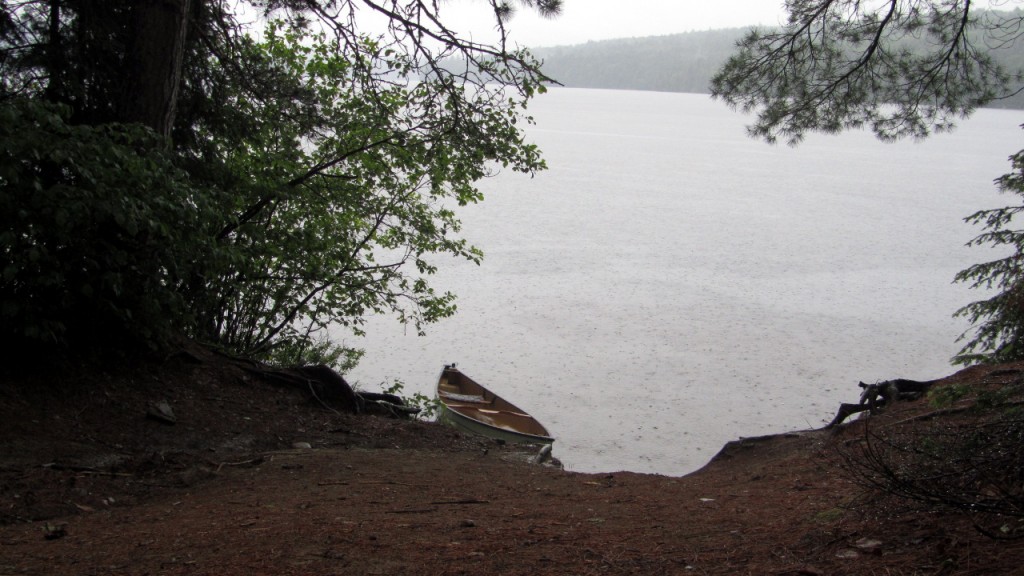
(153, 63)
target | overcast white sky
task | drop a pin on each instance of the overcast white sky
(585, 20)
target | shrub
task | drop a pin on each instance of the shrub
(98, 230)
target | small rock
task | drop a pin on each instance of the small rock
(161, 412)
(54, 531)
(847, 553)
(194, 475)
(467, 524)
(869, 545)
(543, 454)
(301, 445)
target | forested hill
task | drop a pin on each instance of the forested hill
(675, 63)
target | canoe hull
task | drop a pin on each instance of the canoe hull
(472, 408)
(473, 426)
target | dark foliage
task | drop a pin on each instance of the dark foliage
(964, 457)
(97, 230)
(249, 191)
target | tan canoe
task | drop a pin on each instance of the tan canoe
(473, 408)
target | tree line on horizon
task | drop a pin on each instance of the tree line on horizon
(684, 62)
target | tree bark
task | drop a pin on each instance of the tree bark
(153, 63)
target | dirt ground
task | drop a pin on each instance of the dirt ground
(89, 484)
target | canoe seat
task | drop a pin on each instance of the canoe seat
(505, 413)
(469, 398)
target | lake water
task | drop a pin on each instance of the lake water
(670, 285)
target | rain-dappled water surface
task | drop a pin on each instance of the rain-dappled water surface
(670, 285)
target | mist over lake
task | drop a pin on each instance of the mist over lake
(669, 284)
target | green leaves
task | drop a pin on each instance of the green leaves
(342, 187)
(310, 179)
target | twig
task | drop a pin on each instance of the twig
(945, 412)
(929, 415)
(254, 462)
(392, 483)
(83, 469)
(309, 384)
(344, 430)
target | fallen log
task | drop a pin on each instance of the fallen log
(881, 394)
(891, 390)
(330, 388)
(844, 412)
(394, 409)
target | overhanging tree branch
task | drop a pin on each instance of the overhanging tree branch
(917, 70)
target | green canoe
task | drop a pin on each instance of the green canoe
(475, 409)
